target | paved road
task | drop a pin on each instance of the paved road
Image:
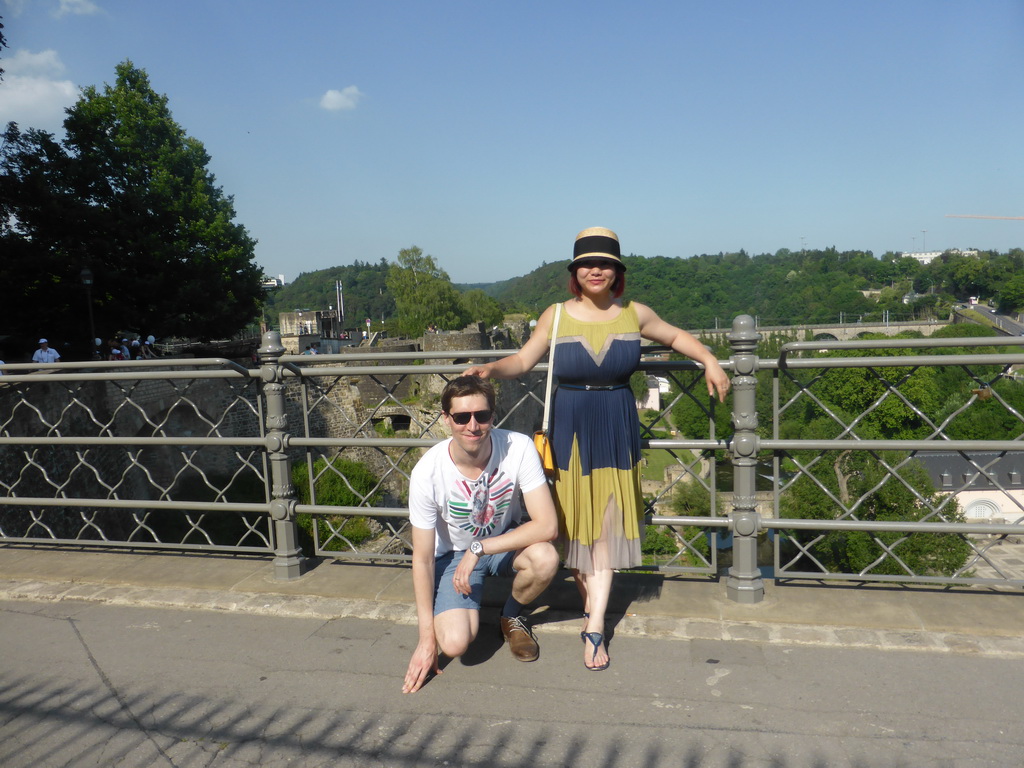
(93, 684)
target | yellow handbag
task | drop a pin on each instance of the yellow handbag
(547, 457)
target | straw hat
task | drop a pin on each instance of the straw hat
(596, 243)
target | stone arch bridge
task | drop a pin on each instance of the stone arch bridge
(842, 331)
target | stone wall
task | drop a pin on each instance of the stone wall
(57, 409)
(332, 405)
(471, 338)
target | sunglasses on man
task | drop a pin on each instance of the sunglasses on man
(482, 417)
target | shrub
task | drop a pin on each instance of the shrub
(338, 483)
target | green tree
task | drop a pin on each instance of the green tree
(886, 401)
(867, 490)
(481, 308)
(1011, 295)
(423, 294)
(128, 195)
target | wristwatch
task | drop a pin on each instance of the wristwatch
(477, 548)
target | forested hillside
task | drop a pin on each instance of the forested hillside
(793, 287)
(363, 289)
(781, 288)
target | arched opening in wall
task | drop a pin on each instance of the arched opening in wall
(401, 421)
(983, 509)
(387, 426)
(825, 337)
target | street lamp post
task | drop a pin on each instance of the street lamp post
(87, 281)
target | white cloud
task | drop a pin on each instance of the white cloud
(14, 7)
(343, 99)
(77, 7)
(34, 64)
(32, 94)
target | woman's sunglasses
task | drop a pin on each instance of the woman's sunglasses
(482, 417)
(599, 263)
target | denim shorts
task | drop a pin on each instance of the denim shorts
(445, 596)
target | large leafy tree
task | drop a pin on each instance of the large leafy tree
(874, 487)
(1011, 296)
(126, 194)
(423, 294)
(477, 306)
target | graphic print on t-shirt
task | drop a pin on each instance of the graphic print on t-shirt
(477, 506)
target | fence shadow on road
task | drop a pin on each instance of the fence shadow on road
(47, 722)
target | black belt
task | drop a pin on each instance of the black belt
(593, 387)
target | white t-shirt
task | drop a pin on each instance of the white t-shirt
(48, 355)
(461, 510)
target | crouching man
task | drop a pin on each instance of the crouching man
(464, 506)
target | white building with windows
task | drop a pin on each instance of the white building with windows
(988, 486)
(927, 257)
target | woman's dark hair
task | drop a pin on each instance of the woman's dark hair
(463, 386)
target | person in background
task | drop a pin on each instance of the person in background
(114, 350)
(45, 353)
(595, 429)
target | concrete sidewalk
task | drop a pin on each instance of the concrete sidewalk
(977, 621)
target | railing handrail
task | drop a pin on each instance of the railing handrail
(930, 343)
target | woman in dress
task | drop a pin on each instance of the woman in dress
(595, 430)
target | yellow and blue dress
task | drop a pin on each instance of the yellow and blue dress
(595, 433)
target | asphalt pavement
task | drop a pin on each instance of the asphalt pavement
(145, 659)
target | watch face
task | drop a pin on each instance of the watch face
(476, 548)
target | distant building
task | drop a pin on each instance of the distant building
(274, 282)
(656, 387)
(994, 495)
(926, 257)
(322, 327)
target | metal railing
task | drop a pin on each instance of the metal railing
(305, 454)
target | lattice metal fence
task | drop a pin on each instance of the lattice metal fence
(166, 454)
(880, 423)
(822, 466)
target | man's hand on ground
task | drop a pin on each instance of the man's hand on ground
(423, 663)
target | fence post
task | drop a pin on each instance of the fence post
(744, 584)
(288, 560)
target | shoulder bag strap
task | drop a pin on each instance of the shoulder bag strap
(551, 368)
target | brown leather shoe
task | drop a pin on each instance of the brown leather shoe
(520, 639)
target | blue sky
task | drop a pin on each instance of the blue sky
(489, 133)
